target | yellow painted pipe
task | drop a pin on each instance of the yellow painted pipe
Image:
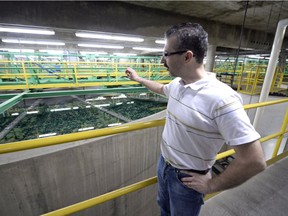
(103, 198)
(225, 154)
(283, 128)
(269, 137)
(263, 139)
(267, 103)
(131, 188)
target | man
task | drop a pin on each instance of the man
(202, 115)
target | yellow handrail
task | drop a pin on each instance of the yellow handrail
(36, 143)
(131, 188)
(71, 74)
(128, 189)
(42, 142)
(103, 198)
(120, 129)
(282, 131)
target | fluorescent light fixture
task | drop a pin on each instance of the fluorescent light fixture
(101, 105)
(27, 30)
(50, 57)
(101, 46)
(17, 50)
(20, 56)
(52, 51)
(148, 49)
(96, 99)
(120, 96)
(124, 54)
(32, 112)
(108, 37)
(84, 129)
(47, 135)
(92, 53)
(60, 109)
(20, 41)
(160, 41)
(255, 56)
(114, 124)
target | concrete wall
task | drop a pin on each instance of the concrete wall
(38, 181)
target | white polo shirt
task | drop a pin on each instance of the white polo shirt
(200, 118)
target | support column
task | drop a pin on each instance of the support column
(282, 61)
(279, 36)
(210, 58)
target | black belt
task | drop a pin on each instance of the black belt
(202, 172)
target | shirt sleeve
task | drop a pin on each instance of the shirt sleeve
(233, 122)
(166, 90)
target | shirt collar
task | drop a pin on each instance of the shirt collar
(198, 84)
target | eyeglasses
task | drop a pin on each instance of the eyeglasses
(165, 54)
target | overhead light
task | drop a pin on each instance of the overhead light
(124, 54)
(20, 41)
(108, 37)
(148, 49)
(52, 51)
(27, 31)
(92, 53)
(160, 41)
(17, 50)
(101, 46)
(255, 56)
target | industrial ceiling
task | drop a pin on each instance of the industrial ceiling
(148, 20)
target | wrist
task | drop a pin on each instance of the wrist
(140, 80)
(211, 186)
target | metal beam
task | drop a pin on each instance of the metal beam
(74, 92)
(11, 102)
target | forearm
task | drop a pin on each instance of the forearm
(151, 85)
(235, 174)
(249, 162)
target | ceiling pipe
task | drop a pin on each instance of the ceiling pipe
(280, 32)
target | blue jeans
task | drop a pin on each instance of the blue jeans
(175, 198)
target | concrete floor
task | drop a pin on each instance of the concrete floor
(262, 195)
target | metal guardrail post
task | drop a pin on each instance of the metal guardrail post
(283, 129)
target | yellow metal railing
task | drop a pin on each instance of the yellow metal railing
(47, 74)
(55, 140)
(137, 186)
(249, 78)
(17, 146)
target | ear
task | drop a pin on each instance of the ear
(189, 56)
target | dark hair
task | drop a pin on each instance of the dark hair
(190, 36)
